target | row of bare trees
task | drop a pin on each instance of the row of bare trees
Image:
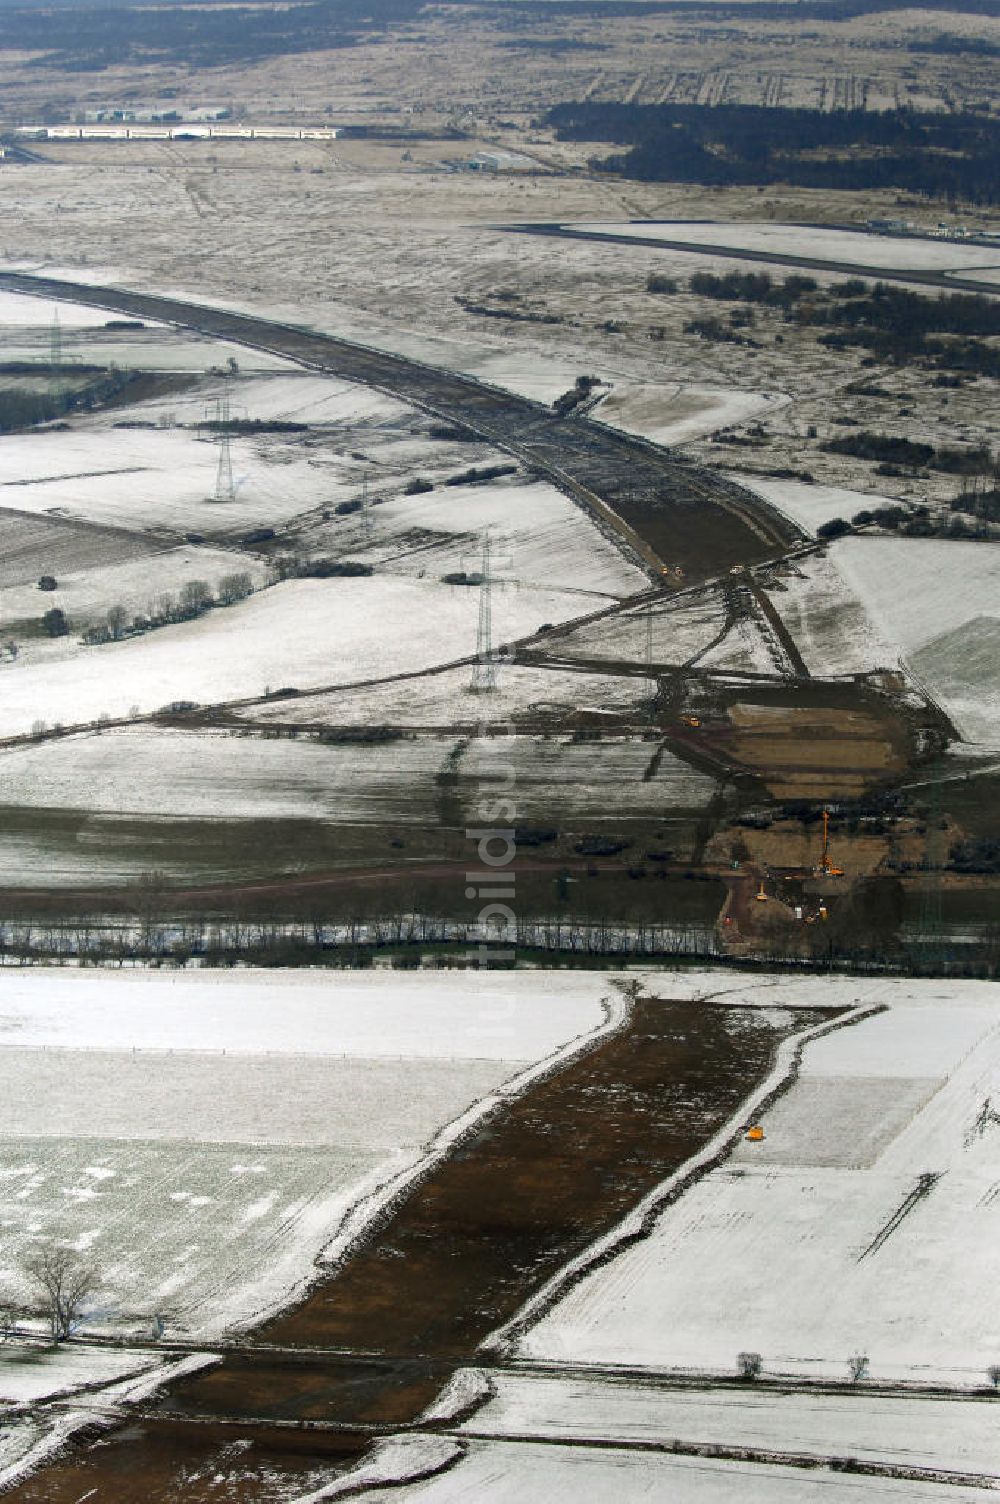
(194, 599)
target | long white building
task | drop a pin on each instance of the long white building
(179, 131)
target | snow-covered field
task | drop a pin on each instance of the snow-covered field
(498, 1472)
(559, 772)
(28, 324)
(303, 633)
(926, 1433)
(162, 773)
(938, 602)
(540, 539)
(20, 312)
(297, 396)
(139, 585)
(154, 774)
(158, 478)
(160, 481)
(826, 1243)
(829, 625)
(810, 506)
(822, 243)
(682, 411)
(201, 1138)
(446, 699)
(29, 1373)
(490, 1016)
(33, 544)
(665, 632)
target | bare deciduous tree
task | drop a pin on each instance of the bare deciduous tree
(857, 1367)
(195, 597)
(65, 1282)
(117, 620)
(235, 587)
(748, 1365)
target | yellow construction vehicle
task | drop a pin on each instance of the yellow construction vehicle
(826, 867)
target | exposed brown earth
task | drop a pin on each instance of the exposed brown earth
(373, 1343)
(816, 752)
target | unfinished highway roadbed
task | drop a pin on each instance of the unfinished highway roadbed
(683, 523)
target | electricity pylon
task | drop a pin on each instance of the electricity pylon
(484, 670)
(225, 489)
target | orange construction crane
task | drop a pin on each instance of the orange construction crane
(826, 867)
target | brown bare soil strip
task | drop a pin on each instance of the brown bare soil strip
(529, 1189)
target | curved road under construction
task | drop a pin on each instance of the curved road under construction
(683, 523)
(363, 1352)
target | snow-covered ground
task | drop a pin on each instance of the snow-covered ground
(292, 395)
(810, 506)
(938, 602)
(488, 1016)
(498, 1472)
(161, 773)
(822, 243)
(139, 585)
(20, 312)
(152, 774)
(819, 1243)
(540, 538)
(48, 1394)
(446, 699)
(829, 625)
(957, 1436)
(29, 1373)
(35, 544)
(671, 631)
(158, 478)
(304, 633)
(560, 772)
(201, 1138)
(677, 413)
(28, 325)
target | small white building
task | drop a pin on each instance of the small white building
(501, 161)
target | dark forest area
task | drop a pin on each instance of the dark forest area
(940, 156)
(88, 38)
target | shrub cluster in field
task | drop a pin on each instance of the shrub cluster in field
(23, 408)
(972, 515)
(947, 333)
(892, 451)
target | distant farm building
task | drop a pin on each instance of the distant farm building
(889, 226)
(500, 161)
